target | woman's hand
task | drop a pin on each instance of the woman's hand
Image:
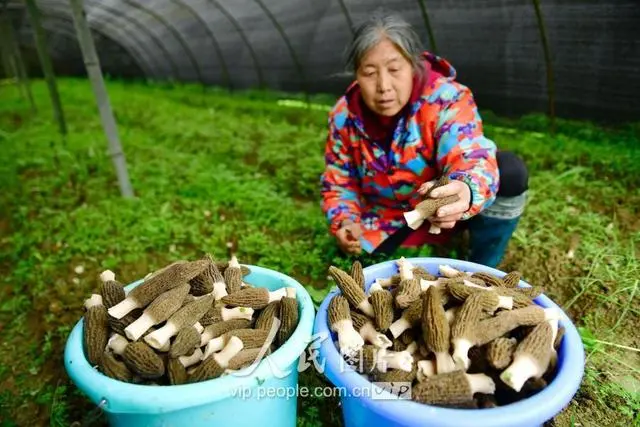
(349, 237)
(448, 215)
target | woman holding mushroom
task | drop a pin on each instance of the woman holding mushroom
(403, 125)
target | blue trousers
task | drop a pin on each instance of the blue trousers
(491, 230)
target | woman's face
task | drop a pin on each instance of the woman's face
(385, 78)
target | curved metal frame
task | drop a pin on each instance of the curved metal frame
(216, 45)
(110, 12)
(116, 14)
(427, 24)
(175, 34)
(345, 12)
(292, 52)
(52, 13)
(240, 31)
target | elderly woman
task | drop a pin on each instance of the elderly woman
(402, 124)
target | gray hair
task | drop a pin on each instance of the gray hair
(385, 25)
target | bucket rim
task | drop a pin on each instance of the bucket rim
(534, 410)
(122, 397)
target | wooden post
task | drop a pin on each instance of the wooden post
(45, 63)
(551, 93)
(92, 64)
(15, 56)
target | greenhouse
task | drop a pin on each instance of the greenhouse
(317, 213)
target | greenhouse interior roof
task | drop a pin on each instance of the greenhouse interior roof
(297, 45)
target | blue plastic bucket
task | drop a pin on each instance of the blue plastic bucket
(362, 407)
(264, 396)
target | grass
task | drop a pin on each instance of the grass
(209, 167)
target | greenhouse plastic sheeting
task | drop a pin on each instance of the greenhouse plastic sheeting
(298, 45)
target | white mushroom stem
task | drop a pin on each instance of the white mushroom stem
(399, 326)
(107, 276)
(366, 307)
(451, 314)
(166, 347)
(554, 333)
(233, 347)
(402, 360)
(236, 313)
(521, 369)
(117, 343)
(385, 283)
(481, 383)
(448, 271)
(278, 294)
(413, 218)
(195, 357)
(473, 285)
(426, 369)
(505, 302)
(412, 348)
(233, 262)
(444, 363)
(551, 314)
(426, 284)
(375, 286)
(213, 346)
(93, 301)
(369, 333)
(124, 307)
(199, 327)
(290, 292)
(139, 326)
(405, 268)
(160, 337)
(461, 348)
(349, 340)
(219, 290)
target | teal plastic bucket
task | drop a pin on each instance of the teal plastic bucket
(262, 396)
(365, 404)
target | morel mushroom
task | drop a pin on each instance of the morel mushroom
(158, 311)
(365, 328)
(350, 289)
(218, 313)
(187, 339)
(268, 315)
(114, 368)
(112, 291)
(288, 315)
(409, 318)
(156, 284)
(382, 303)
(452, 389)
(184, 317)
(96, 329)
(256, 298)
(357, 274)
(219, 328)
(408, 292)
(500, 352)
(214, 366)
(349, 340)
(531, 358)
(233, 276)
(435, 330)
(142, 360)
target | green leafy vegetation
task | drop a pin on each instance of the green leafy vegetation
(210, 167)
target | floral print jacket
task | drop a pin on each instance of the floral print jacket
(442, 134)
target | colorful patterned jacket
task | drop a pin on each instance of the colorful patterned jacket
(442, 134)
